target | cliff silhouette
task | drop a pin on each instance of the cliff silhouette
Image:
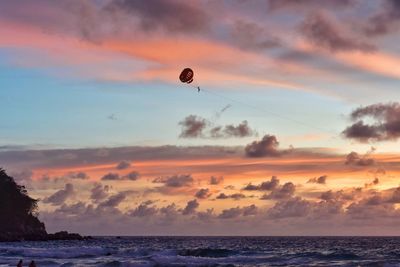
(18, 213)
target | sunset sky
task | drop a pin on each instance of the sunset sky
(295, 130)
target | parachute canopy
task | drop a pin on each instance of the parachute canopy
(186, 75)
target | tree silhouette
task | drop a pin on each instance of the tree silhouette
(18, 211)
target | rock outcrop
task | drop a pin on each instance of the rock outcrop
(18, 215)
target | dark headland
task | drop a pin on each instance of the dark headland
(18, 213)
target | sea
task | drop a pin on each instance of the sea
(207, 251)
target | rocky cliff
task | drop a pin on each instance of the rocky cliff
(18, 215)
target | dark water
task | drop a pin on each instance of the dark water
(208, 251)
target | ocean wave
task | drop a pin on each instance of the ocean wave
(55, 252)
(336, 255)
(207, 252)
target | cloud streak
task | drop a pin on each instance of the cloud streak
(132, 176)
(322, 31)
(175, 180)
(170, 16)
(386, 21)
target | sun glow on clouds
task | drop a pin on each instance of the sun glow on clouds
(239, 170)
(147, 60)
(374, 61)
(78, 58)
(179, 181)
(293, 52)
(220, 184)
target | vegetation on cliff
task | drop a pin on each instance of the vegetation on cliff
(18, 213)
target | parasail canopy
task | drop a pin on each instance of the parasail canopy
(186, 75)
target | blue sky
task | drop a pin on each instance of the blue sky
(59, 111)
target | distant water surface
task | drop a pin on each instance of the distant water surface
(207, 251)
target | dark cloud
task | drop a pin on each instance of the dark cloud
(222, 196)
(374, 200)
(240, 130)
(197, 127)
(250, 210)
(78, 175)
(144, 210)
(292, 207)
(373, 183)
(203, 193)
(307, 4)
(386, 21)
(395, 198)
(191, 207)
(368, 208)
(172, 16)
(363, 133)
(111, 177)
(80, 18)
(230, 187)
(206, 216)
(230, 213)
(216, 180)
(238, 211)
(99, 192)
(114, 200)
(322, 31)
(283, 192)
(372, 208)
(132, 176)
(298, 56)
(341, 195)
(60, 196)
(264, 186)
(326, 209)
(74, 209)
(170, 213)
(251, 36)
(193, 126)
(318, 180)
(330, 195)
(386, 125)
(123, 165)
(251, 187)
(235, 196)
(353, 158)
(268, 146)
(64, 178)
(175, 180)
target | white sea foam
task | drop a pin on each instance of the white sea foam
(206, 251)
(56, 252)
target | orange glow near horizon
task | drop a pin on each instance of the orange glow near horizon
(241, 171)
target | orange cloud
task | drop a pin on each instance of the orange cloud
(238, 170)
(148, 59)
(375, 62)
